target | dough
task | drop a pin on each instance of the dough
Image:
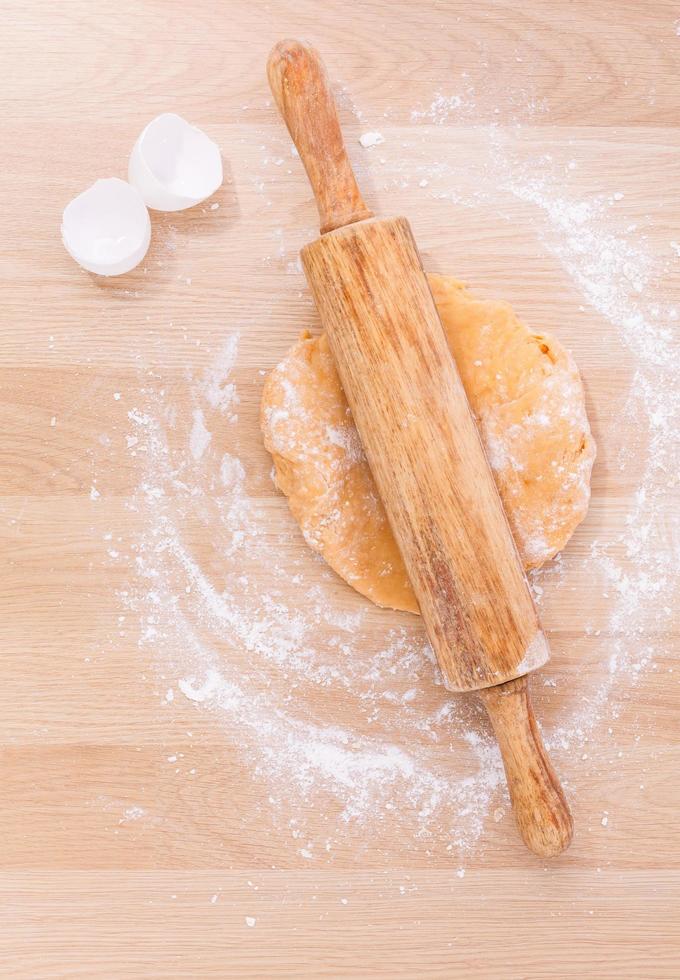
(527, 397)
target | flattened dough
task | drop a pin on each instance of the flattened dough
(527, 397)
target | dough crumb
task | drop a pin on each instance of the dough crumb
(372, 138)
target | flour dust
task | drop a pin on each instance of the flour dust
(321, 714)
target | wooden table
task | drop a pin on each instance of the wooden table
(117, 862)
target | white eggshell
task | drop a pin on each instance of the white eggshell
(107, 228)
(173, 165)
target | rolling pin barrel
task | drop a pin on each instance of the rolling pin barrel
(423, 447)
(425, 453)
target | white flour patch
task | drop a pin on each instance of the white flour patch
(217, 390)
(440, 109)
(133, 813)
(231, 471)
(199, 439)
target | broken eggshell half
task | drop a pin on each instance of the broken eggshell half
(173, 165)
(106, 229)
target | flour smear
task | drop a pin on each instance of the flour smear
(215, 561)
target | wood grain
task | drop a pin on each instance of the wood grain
(85, 892)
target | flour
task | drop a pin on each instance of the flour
(133, 813)
(441, 108)
(201, 631)
(232, 473)
(214, 562)
(199, 440)
(218, 391)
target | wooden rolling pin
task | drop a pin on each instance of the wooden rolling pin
(423, 447)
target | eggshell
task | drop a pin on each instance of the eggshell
(106, 229)
(173, 165)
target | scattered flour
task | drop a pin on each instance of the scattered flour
(202, 631)
(134, 813)
(439, 111)
(199, 439)
(376, 749)
(218, 391)
(231, 471)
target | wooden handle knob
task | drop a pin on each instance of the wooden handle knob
(541, 810)
(299, 84)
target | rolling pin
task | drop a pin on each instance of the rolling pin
(423, 447)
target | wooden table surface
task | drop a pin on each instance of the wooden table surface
(138, 839)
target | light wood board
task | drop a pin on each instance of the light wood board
(83, 734)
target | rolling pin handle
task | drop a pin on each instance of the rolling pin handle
(540, 807)
(300, 87)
